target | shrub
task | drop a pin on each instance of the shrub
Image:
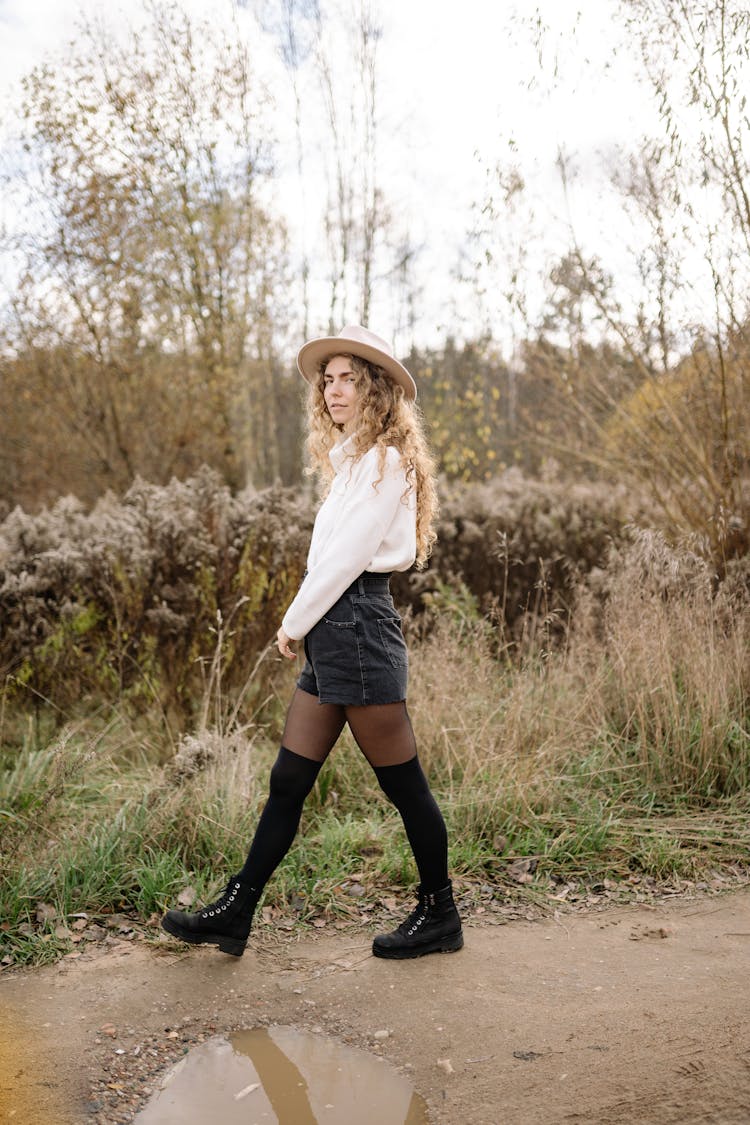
(521, 546)
(174, 590)
(130, 598)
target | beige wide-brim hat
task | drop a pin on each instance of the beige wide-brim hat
(359, 341)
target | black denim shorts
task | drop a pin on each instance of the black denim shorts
(356, 653)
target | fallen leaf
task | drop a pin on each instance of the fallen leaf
(522, 870)
(117, 921)
(186, 897)
(80, 923)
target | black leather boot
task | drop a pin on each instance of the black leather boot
(434, 927)
(225, 923)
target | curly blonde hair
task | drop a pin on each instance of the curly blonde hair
(384, 417)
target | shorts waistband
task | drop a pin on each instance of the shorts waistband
(369, 580)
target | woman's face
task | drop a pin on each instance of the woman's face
(340, 391)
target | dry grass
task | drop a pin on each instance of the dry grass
(627, 751)
(577, 753)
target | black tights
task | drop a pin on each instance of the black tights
(384, 735)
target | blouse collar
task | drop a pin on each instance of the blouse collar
(342, 452)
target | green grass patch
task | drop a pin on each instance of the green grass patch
(623, 755)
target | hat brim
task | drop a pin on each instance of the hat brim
(315, 352)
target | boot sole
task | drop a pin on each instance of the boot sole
(444, 945)
(235, 947)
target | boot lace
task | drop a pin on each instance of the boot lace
(417, 918)
(222, 903)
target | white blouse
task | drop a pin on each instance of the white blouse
(360, 526)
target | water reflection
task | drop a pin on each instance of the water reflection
(284, 1076)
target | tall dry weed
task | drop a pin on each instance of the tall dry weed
(674, 662)
(494, 735)
(647, 701)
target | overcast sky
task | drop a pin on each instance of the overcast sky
(461, 90)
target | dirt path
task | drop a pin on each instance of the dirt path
(638, 1014)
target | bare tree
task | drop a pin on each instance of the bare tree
(331, 50)
(652, 385)
(154, 264)
(370, 34)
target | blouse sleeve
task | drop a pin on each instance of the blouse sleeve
(362, 521)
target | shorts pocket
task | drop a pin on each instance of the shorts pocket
(340, 615)
(338, 624)
(392, 640)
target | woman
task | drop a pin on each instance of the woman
(366, 437)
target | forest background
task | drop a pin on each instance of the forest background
(580, 670)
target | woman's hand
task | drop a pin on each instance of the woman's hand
(284, 644)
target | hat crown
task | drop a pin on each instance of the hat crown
(356, 334)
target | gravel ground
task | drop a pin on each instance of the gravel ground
(601, 1012)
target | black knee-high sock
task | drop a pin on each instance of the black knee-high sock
(292, 778)
(407, 787)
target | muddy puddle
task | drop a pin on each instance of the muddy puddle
(282, 1076)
